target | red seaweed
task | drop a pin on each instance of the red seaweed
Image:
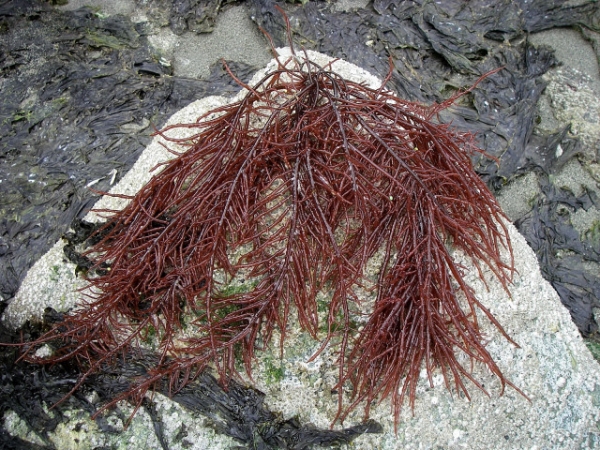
(303, 180)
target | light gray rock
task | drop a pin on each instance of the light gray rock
(552, 366)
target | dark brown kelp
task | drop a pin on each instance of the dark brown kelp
(296, 187)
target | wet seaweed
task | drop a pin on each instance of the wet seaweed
(297, 186)
(431, 43)
(239, 412)
(80, 96)
(567, 260)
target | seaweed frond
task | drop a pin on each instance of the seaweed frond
(296, 187)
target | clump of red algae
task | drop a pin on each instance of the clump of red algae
(306, 177)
